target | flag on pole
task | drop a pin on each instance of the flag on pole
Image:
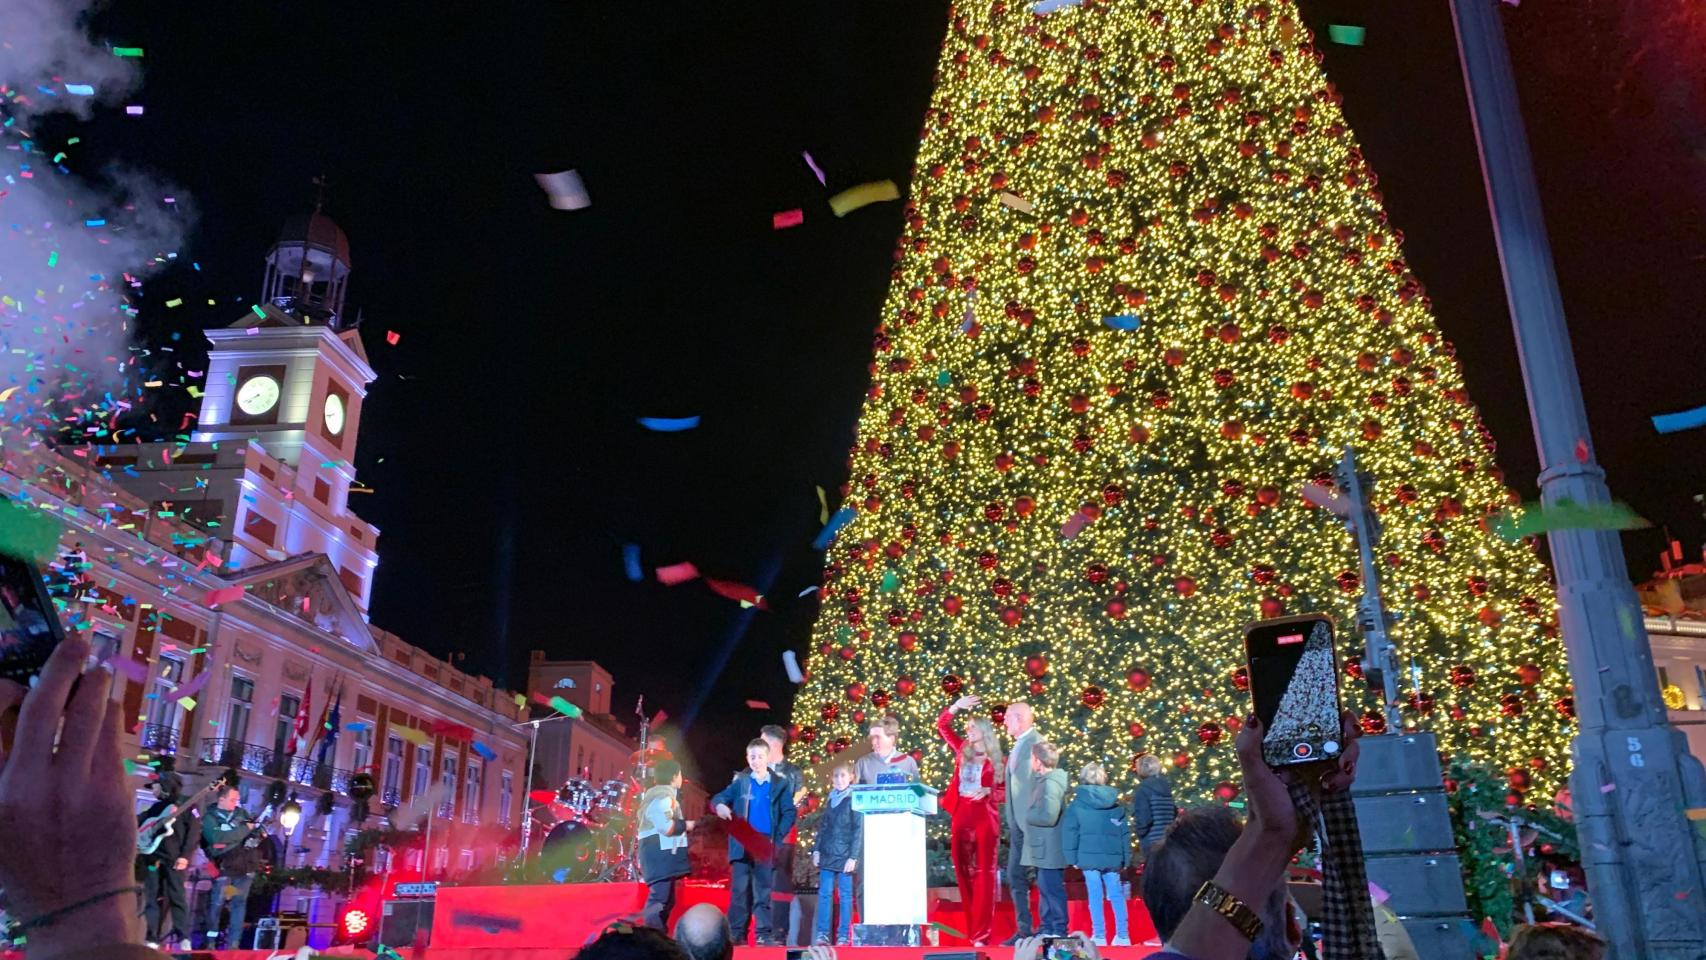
(333, 722)
(298, 745)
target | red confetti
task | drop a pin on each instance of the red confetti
(737, 591)
(677, 573)
(787, 218)
(392, 336)
(1582, 452)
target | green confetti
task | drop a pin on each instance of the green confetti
(564, 707)
(950, 931)
(258, 311)
(127, 52)
(891, 581)
(1566, 515)
(1346, 34)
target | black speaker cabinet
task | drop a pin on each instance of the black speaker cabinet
(405, 923)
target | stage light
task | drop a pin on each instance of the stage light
(354, 924)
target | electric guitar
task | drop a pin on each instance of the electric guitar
(154, 832)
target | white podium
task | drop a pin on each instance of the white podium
(894, 890)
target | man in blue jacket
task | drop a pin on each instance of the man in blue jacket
(762, 802)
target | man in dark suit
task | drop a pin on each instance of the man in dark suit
(762, 802)
(1020, 722)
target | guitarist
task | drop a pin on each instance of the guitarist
(229, 839)
(162, 872)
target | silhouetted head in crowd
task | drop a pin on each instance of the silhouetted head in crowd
(632, 942)
(1190, 854)
(1555, 941)
(703, 932)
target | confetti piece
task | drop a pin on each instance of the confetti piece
(565, 190)
(758, 705)
(194, 686)
(1074, 525)
(677, 573)
(791, 663)
(1582, 451)
(1049, 6)
(1125, 321)
(80, 89)
(564, 707)
(486, 753)
(1567, 515)
(188, 703)
(392, 337)
(631, 562)
(787, 218)
(1323, 497)
(737, 591)
(669, 424)
(1677, 422)
(1379, 895)
(127, 51)
(950, 931)
(6, 395)
(175, 302)
(360, 725)
(1017, 202)
(822, 500)
(825, 536)
(1696, 813)
(130, 669)
(419, 738)
(27, 533)
(134, 110)
(1607, 787)
(520, 700)
(222, 595)
(1347, 35)
(258, 312)
(808, 591)
(817, 170)
(863, 195)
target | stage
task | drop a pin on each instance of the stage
(741, 953)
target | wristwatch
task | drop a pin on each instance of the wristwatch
(1231, 909)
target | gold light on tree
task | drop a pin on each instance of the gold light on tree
(1146, 291)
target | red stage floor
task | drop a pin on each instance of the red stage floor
(744, 953)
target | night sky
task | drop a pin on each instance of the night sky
(500, 436)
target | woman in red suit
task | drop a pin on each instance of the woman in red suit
(974, 800)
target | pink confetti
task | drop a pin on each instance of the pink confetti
(677, 573)
(134, 110)
(392, 336)
(1379, 895)
(787, 218)
(815, 168)
(222, 595)
(194, 686)
(758, 705)
(1073, 525)
(130, 669)
(1607, 787)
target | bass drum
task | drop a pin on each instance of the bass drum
(570, 853)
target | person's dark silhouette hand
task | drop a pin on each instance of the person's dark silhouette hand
(70, 827)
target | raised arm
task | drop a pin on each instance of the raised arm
(945, 727)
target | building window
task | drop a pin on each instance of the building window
(423, 770)
(447, 779)
(393, 779)
(322, 491)
(283, 735)
(351, 581)
(362, 756)
(165, 714)
(260, 527)
(473, 789)
(506, 796)
(237, 711)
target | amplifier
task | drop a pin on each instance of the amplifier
(406, 923)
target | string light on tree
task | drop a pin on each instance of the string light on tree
(1146, 289)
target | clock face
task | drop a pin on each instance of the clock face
(334, 414)
(257, 395)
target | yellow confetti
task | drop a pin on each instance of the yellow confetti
(1017, 202)
(863, 195)
(6, 394)
(188, 703)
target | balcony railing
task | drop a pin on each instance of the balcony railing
(159, 738)
(471, 815)
(247, 757)
(447, 810)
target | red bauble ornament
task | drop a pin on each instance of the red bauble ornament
(1096, 573)
(1135, 729)
(1353, 666)
(1422, 702)
(907, 641)
(952, 604)
(1209, 733)
(1565, 706)
(1011, 616)
(829, 711)
(952, 684)
(1241, 678)
(1462, 675)
(1092, 697)
(855, 692)
(1024, 505)
(1225, 791)
(859, 717)
(809, 735)
(1373, 722)
(905, 686)
(847, 653)
(1528, 674)
(1036, 666)
(1519, 779)
(1511, 705)
(1272, 607)
(1036, 687)
(1185, 586)
(879, 698)
(1181, 760)
(1116, 609)
(1137, 680)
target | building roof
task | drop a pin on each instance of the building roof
(316, 230)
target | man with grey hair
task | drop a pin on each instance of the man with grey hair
(703, 932)
(1020, 722)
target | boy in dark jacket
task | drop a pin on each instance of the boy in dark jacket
(840, 837)
(663, 842)
(1045, 846)
(761, 802)
(1098, 842)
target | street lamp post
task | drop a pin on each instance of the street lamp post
(1632, 777)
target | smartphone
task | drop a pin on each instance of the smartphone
(1294, 681)
(1062, 948)
(29, 625)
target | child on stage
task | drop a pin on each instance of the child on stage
(663, 842)
(840, 837)
(1098, 842)
(762, 803)
(1045, 846)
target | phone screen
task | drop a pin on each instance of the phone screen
(1061, 948)
(29, 626)
(1294, 681)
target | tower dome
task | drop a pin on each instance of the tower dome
(308, 268)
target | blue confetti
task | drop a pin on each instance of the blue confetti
(1677, 422)
(484, 751)
(841, 519)
(80, 89)
(1125, 321)
(669, 424)
(94, 223)
(631, 562)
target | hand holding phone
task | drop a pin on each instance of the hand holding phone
(1294, 682)
(29, 624)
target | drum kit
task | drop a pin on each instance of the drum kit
(592, 841)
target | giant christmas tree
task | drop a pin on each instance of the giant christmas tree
(1145, 292)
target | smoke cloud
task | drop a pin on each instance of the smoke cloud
(74, 247)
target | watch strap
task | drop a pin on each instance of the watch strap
(1230, 908)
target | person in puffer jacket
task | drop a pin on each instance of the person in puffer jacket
(1152, 808)
(1097, 837)
(840, 838)
(663, 842)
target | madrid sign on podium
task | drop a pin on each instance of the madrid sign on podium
(895, 892)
